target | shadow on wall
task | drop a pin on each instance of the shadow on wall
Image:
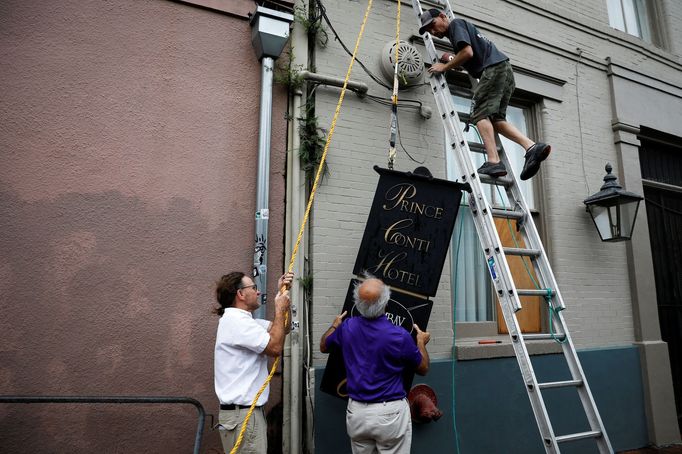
(103, 294)
(275, 418)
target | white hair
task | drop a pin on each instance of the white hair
(374, 308)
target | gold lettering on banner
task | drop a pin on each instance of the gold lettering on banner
(387, 268)
(398, 193)
(393, 236)
(399, 196)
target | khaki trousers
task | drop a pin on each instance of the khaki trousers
(384, 427)
(255, 437)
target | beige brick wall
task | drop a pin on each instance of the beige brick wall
(541, 36)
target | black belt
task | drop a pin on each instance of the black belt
(377, 401)
(233, 406)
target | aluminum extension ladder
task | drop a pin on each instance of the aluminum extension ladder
(495, 254)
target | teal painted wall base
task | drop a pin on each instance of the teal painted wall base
(493, 412)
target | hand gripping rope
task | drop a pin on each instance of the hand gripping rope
(305, 217)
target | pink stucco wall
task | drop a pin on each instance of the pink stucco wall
(128, 149)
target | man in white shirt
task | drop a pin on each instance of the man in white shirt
(240, 363)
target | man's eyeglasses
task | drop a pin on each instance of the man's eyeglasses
(253, 286)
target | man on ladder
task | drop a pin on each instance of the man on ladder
(482, 60)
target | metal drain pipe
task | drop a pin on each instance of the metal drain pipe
(358, 87)
(269, 35)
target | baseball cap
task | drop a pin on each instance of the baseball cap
(427, 17)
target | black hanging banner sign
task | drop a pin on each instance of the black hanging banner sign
(402, 310)
(409, 228)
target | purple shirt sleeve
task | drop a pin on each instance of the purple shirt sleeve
(411, 354)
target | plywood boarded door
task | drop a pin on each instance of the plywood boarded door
(529, 316)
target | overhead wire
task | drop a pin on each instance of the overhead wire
(412, 103)
(375, 78)
(323, 13)
(580, 124)
(387, 102)
(400, 141)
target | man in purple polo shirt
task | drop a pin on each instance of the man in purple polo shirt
(375, 353)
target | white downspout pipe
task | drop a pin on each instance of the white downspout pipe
(296, 191)
(292, 373)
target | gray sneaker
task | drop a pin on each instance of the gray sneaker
(494, 170)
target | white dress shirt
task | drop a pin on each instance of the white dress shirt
(240, 365)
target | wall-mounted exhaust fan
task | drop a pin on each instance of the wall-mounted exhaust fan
(410, 64)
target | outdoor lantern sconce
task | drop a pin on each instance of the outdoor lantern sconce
(613, 209)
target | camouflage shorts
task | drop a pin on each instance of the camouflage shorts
(492, 95)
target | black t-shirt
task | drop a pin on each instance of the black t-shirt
(462, 33)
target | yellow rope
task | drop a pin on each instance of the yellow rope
(305, 217)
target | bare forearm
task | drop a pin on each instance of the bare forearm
(423, 367)
(335, 324)
(461, 57)
(323, 340)
(287, 326)
(277, 334)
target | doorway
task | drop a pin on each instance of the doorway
(661, 163)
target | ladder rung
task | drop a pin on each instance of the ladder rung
(501, 181)
(533, 292)
(578, 436)
(521, 251)
(507, 214)
(560, 384)
(479, 148)
(534, 337)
